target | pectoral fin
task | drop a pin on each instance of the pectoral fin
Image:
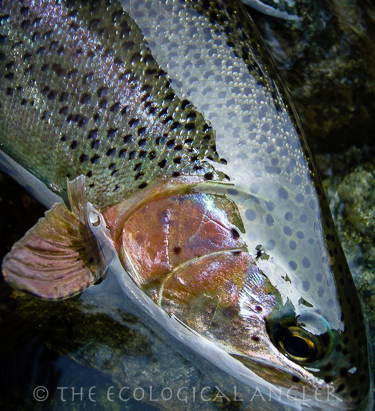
(59, 256)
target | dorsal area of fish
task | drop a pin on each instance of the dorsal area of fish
(156, 89)
(82, 94)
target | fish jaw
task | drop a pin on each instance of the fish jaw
(184, 246)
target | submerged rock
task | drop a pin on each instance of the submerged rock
(326, 56)
(352, 201)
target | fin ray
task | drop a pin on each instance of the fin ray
(58, 257)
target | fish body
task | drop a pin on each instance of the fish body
(194, 172)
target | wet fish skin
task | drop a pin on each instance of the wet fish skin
(92, 99)
(69, 158)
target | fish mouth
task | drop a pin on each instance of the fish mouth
(312, 392)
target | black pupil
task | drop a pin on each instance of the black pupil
(296, 346)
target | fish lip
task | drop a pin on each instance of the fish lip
(336, 403)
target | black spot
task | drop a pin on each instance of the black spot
(116, 16)
(63, 96)
(136, 58)
(283, 194)
(162, 163)
(340, 388)
(190, 126)
(83, 158)
(29, 69)
(208, 176)
(141, 132)
(255, 338)
(235, 234)
(111, 133)
(175, 174)
(170, 143)
(177, 250)
(169, 97)
(151, 71)
(328, 367)
(127, 139)
(184, 104)
(58, 69)
(53, 45)
(328, 379)
(124, 110)
(73, 26)
(142, 142)
(82, 121)
(87, 79)
(122, 153)
(133, 122)
(164, 111)
(9, 76)
(102, 91)
(354, 393)
(45, 90)
(115, 107)
(25, 24)
(72, 73)
(111, 152)
(52, 95)
(85, 98)
(143, 185)
(343, 372)
(295, 379)
(94, 159)
(175, 125)
(24, 11)
(94, 24)
(74, 144)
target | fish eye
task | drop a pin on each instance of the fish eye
(298, 344)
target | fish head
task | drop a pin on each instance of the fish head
(187, 245)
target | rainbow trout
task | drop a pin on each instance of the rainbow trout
(188, 167)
